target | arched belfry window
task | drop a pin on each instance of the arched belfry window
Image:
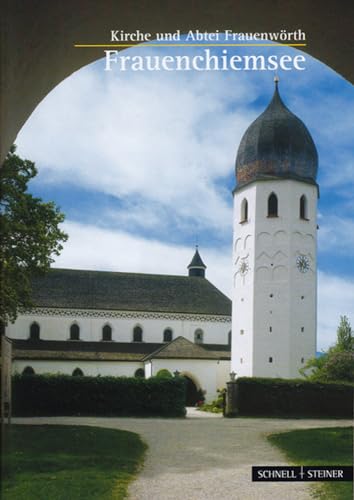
(244, 211)
(107, 333)
(229, 338)
(303, 207)
(167, 335)
(137, 334)
(74, 332)
(199, 336)
(35, 331)
(273, 205)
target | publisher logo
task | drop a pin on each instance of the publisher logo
(302, 473)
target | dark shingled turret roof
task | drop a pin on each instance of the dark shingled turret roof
(276, 145)
(197, 260)
(76, 289)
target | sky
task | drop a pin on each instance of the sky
(142, 164)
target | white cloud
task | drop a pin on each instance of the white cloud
(164, 139)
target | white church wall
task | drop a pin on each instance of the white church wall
(223, 369)
(202, 372)
(56, 326)
(89, 368)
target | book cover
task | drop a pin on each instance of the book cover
(134, 113)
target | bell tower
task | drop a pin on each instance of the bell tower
(274, 246)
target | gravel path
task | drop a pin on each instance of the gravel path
(201, 458)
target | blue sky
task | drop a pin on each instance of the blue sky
(142, 164)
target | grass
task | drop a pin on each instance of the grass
(42, 462)
(327, 446)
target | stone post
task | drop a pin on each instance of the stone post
(231, 396)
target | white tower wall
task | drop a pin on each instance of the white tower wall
(274, 302)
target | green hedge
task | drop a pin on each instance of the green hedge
(281, 397)
(45, 395)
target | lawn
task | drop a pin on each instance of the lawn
(327, 446)
(69, 462)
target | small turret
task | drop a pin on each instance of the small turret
(197, 266)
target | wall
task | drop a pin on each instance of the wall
(207, 375)
(58, 327)
(93, 368)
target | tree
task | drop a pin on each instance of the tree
(30, 235)
(345, 339)
(337, 364)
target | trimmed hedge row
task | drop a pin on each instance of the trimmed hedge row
(281, 397)
(45, 395)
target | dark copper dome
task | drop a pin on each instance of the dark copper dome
(276, 145)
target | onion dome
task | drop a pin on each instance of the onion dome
(197, 266)
(276, 145)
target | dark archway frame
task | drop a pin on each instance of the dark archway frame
(37, 38)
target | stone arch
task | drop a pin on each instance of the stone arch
(193, 377)
(45, 60)
(193, 388)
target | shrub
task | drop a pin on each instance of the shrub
(45, 395)
(164, 373)
(281, 397)
(216, 406)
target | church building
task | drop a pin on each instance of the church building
(131, 324)
(127, 324)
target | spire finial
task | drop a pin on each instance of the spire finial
(276, 80)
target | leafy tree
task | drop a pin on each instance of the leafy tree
(345, 339)
(30, 235)
(337, 364)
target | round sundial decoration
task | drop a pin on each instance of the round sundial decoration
(302, 263)
(244, 267)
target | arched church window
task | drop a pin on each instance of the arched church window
(139, 373)
(244, 211)
(74, 332)
(273, 205)
(303, 207)
(28, 371)
(107, 333)
(198, 336)
(137, 334)
(167, 335)
(35, 331)
(77, 372)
